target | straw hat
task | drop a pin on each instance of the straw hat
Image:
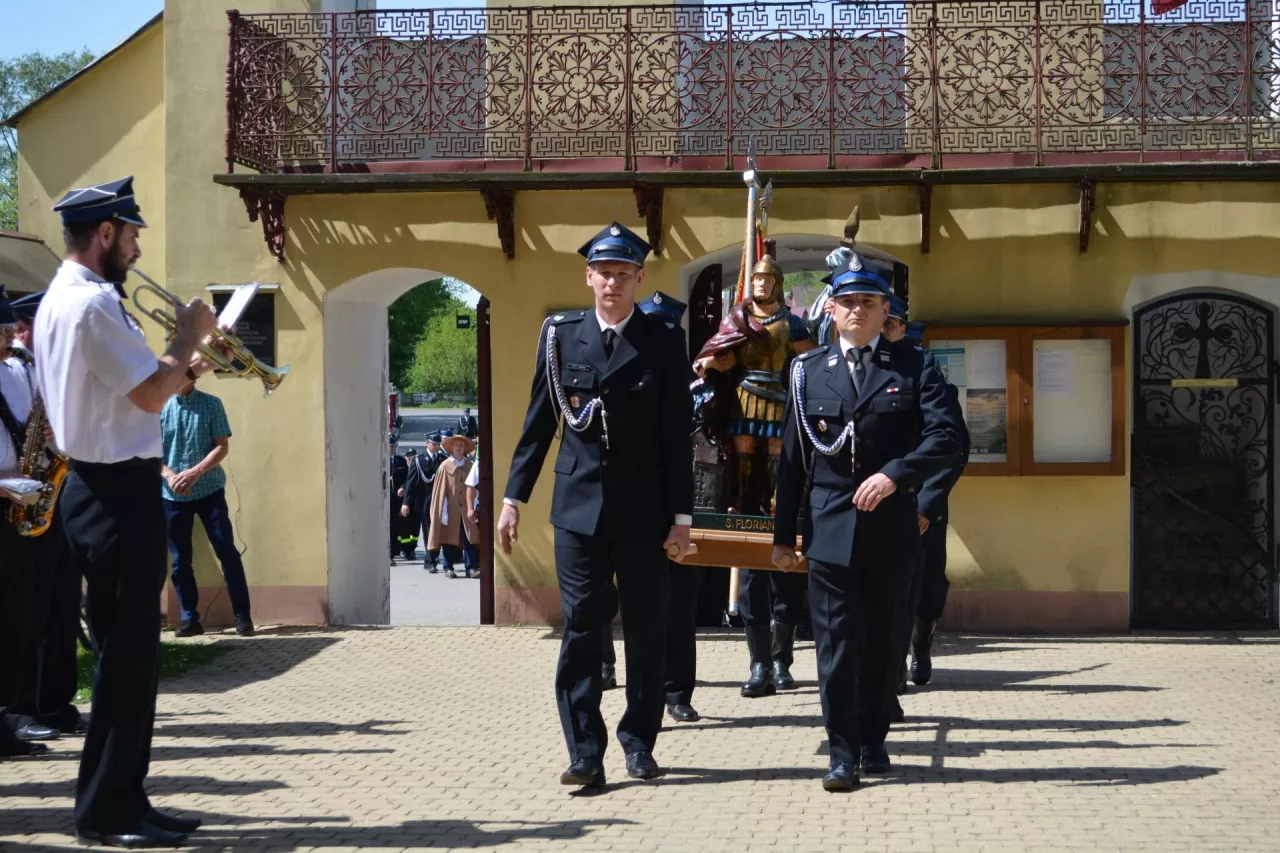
(451, 440)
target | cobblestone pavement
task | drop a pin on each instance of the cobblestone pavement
(448, 738)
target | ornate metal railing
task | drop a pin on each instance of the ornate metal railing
(883, 83)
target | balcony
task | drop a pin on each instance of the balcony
(886, 84)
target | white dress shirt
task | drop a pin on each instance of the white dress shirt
(845, 346)
(619, 327)
(89, 356)
(17, 393)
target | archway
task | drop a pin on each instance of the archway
(356, 450)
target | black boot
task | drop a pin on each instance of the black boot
(761, 681)
(783, 639)
(922, 651)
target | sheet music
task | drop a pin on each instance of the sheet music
(240, 299)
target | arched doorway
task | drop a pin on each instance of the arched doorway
(1202, 472)
(356, 448)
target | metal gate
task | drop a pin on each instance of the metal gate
(1202, 473)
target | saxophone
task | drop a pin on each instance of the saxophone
(39, 462)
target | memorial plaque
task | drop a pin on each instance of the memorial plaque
(257, 326)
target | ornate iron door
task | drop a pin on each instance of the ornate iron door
(1202, 473)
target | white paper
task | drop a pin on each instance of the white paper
(987, 364)
(1053, 374)
(951, 360)
(240, 299)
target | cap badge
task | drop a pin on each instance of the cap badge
(855, 263)
(657, 299)
(615, 230)
(558, 317)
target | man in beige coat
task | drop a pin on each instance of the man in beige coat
(451, 527)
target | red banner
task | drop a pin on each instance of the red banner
(1160, 7)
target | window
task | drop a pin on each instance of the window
(1038, 400)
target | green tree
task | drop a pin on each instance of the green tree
(22, 80)
(407, 319)
(444, 359)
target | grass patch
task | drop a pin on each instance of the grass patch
(175, 659)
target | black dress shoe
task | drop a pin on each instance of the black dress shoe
(875, 759)
(841, 777)
(608, 678)
(641, 765)
(244, 626)
(922, 651)
(760, 683)
(683, 713)
(585, 772)
(142, 834)
(35, 731)
(172, 823)
(21, 749)
(191, 628)
(782, 676)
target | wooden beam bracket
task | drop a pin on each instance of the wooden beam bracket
(1088, 198)
(500, 204)
(925, 191)
(649, 205)
(268, 207)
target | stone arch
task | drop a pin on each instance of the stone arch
(357, 503)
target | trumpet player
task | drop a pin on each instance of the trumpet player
(45, 604)
(104, 390)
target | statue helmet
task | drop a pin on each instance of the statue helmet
(768, 266)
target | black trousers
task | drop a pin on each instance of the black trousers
(115, 524)
(934, 585)
(42, 605)
(857, 615)
(769, 596)
(585, 568)
(680, 662)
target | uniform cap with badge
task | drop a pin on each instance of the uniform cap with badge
(615, 243)
(112, 200)
(861, 276)
(666, 307)
(7, 315)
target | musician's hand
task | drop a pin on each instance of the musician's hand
(48, 434)
(404, 512)
(508, 527)
(922, 522)
(874, 489)
(200, 365)
(195, 320)
(784, 558)
(677, 543)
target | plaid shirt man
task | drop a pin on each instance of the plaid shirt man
(190, 425)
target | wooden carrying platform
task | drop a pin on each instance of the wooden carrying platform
(741, 541)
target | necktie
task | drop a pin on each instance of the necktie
(609, 336)
(859, 358)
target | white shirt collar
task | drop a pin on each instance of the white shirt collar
(845, 346)
(617, 327)
(88, 276)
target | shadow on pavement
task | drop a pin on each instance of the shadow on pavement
(293, 728)
(225, 832)
(916, 775)
(249, 661)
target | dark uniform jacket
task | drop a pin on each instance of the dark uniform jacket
(931, 502)
(421, 480)
(399, 473)
(908, 427)
(467, 426)
(645, 477)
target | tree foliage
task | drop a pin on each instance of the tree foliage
(22, 80)
(444, 359)
(407, 320)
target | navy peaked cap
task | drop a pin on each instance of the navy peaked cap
(615, 243)
(862, 275)
(112, 200)
(25, 306)
(897, 307)
(667, 307)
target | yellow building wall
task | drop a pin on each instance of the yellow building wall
(997, 252)
(107, 124)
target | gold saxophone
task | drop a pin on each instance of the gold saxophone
(42, 463)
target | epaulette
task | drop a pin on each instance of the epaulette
(919, 348)
(562, 317)
(818, 350)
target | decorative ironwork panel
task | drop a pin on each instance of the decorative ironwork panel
(887, 81)
(1203, 510)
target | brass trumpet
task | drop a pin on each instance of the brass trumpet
(237, 358)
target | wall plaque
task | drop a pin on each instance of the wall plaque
(257, 325)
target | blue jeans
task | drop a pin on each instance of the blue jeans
(217, 526)
(469, 554)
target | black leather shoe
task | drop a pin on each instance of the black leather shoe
(192, 628)
(142, 834)
(841, 777)
(922, 651)
(244, 626)
(784, 636)
(782, 676)
(35, 731)
(172, 823)
(608, 678)
(21, 749)
(875, 759)
(641, 765)
(683, 713)
(585, 773)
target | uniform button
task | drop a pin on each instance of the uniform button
(604, 391)
(604, 462)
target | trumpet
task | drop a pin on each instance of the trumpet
(229, 354)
